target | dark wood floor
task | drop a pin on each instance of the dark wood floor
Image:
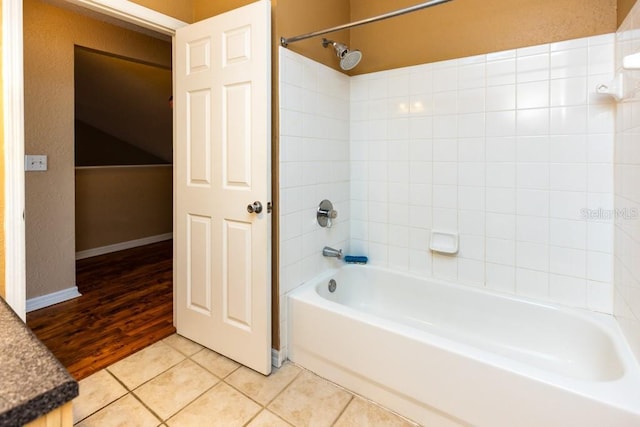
(126, 305)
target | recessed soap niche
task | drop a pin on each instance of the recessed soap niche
(444, 242)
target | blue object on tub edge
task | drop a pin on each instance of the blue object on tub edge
(355, 259)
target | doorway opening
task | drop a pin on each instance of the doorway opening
(111, 106)
(250, 113)
(123, 152)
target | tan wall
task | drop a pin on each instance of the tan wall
(50, 34)
(296, 17)
(453, 30)
(471, 27)
(624, 6)
(119, 204)
(179, 9)
(206, 8)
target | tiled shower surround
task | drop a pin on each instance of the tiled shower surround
(627, 189)
(314, 165)
(512, 150)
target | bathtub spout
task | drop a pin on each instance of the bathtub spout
(330, 252)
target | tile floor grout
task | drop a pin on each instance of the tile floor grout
(353, 396)
(223, 379)
(232, 378)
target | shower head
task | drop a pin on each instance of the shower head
(348, 58)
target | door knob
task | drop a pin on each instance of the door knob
(256, 207)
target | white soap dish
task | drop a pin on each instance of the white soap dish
(443, 242)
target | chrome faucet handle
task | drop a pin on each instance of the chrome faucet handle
(332, 214)
(326, 214)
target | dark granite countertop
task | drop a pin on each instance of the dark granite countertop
(32, 380)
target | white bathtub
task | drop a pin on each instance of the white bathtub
(444, 354)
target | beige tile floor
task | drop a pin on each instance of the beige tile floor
(178, 383)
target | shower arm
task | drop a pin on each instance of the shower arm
(284, 41)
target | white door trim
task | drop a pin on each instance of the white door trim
(133, 13)
(13, 115)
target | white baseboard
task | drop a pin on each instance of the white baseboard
(53, 298)
(123, 245)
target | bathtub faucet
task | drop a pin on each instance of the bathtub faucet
(330, 252)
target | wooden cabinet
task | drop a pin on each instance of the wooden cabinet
(60, 417)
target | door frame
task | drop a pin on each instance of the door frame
(13, 128)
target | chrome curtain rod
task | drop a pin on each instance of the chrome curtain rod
(284, 41)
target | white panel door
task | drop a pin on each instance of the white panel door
(223, 142)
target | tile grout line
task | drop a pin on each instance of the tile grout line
(189, 357)
(104, 406)
(351, 393)
(221, 380)
(162, 420)
(351, 399)
(225, 380)
(355, 395)
(265, 406)
(115, 400)
(131, 391)
(135, 396)
(98, 410)
(193, 400)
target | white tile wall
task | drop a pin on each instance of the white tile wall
(627, 194)
(513, 150)
(314, 165)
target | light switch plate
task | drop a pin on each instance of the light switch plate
(35, 163)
